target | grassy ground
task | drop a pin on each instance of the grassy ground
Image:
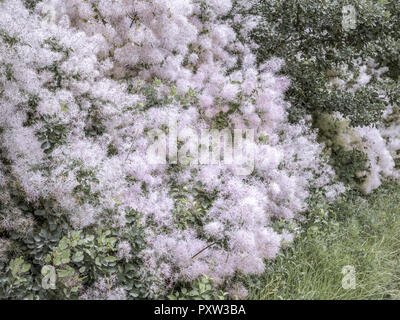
(359, 231)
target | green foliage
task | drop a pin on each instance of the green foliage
(31, 4)
(348, 164)
(200, 289)
(15, 281)
(310, 37)
(55, 46)
(190, 212)
(7, 70)
(63, 263)
(356, 230)
(9, 40)
(31, 105)
(349, 161)
(78, 258)
(51, 134)
(83, 191)
(131, 276)
(155, 98)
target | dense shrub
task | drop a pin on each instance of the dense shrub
(340, 75)
(82, 83)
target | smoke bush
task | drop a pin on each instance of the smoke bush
(83, 82)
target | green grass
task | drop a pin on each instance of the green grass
(358, 231)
